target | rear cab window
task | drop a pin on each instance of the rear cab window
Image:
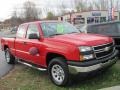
(21, 31)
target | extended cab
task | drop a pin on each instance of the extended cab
(60, 48)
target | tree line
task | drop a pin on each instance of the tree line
(82, 5)
(32, 13)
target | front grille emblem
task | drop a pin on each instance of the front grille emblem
(106, 48)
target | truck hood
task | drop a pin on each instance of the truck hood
(82, 39)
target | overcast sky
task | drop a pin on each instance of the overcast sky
(8, 6)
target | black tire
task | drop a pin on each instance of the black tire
(59, 62)
(10, 59)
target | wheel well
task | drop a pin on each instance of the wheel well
(50, 56)
(5, 47)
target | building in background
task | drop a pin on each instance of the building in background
(88, 17)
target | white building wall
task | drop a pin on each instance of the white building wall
(87, 14)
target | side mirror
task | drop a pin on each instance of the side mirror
(83, 31)
(33, 36)
(80, 31)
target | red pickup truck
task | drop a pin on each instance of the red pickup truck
(59, 48)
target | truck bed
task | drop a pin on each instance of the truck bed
(8, 41)
(9, 36)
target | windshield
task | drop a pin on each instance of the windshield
(57, 28)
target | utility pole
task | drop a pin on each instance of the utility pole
(111, 3)
(112, 7)
(110, 11)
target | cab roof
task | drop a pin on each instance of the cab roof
(42, 21)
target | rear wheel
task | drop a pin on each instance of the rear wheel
(58, 72)
(10, 59)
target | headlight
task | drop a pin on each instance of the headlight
(85, 48)
(86, 53)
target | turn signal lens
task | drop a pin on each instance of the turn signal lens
(86, 57)
(81, 58)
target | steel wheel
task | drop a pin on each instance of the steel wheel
(58, 73)
(7, 56)
(10, 59)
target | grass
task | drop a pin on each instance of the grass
(25, 78)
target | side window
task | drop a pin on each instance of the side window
(48, 29)
(21, 31)
(32, 29)
(118, 26)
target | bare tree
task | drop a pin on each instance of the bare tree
(96, 5)
(90, 6)
(80, 5)
(30, 11)
(50, 16)
(103, 4)
(100, 4)
(62, 7)
(13, 19)
(117, 5)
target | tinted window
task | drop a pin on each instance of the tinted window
(106, 29)
(102, 19)
(32, 29)
(90, 20)
(21, 31)
(118, 25)
(79, 20)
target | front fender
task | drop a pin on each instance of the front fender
(70, 53)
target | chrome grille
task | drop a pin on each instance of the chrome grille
(103, 50)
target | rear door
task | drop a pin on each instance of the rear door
(19, 42)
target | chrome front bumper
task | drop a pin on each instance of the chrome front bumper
(78, 69)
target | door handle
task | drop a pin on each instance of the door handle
(24, 43)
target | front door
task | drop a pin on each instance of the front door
(33, 46)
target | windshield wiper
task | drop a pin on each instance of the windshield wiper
(72, 32)
(56, 34)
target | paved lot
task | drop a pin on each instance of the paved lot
(111, 88)
(4, 67)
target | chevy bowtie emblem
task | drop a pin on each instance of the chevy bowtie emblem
(106, 49)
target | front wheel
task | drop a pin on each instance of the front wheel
(58, 72)
(10, 59)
